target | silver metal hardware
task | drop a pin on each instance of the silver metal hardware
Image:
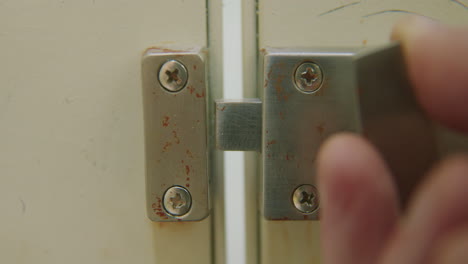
(301, 105)
(308, 77)
(177, 201)
(176, 133)
(365, 93)
(296, 123)
(362, 92)
(305, 199)
(239, 124)
(173, 75)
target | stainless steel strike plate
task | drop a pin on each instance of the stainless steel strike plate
(308, 95)
(175, 111)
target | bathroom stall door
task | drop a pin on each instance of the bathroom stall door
(72, 177)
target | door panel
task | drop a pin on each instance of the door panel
(72, 182)
(303, 23)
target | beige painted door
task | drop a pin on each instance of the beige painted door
(72, 185)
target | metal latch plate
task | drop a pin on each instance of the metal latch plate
(363, 92)
(176, 135)
(295, 124)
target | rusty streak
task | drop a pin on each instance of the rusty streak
(338, 8)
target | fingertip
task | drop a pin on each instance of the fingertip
(453, 248)
(348, 164)
(439, 207)
(437, 60)
(359, 201)
(337, 161)
(409, 27)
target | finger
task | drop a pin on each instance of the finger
(359, 202)
(439, 207)
(437, 60)
(454, 248)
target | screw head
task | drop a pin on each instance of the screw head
(177, 201)
(173, 76)
(305, 199)
(308, 77)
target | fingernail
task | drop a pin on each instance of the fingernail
(412, 26)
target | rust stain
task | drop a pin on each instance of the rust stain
(187, 185)
(166, 146)
(182, 161)
(289, 157)
(201, 95)
(279, 89)
(278, 84)
(221, 109)
(194, 67)
(281, 114)
(189, 153)
(165, 121)
(188, 179)
(187, 169)
(157, 209)
(364, 42)
(191, 89)
(176, 138)
(269, 143)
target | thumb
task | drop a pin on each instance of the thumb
(437, 61)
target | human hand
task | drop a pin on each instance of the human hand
(361, 221)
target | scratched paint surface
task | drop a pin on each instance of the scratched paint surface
(345, 22)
